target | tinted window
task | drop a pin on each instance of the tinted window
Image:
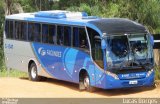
(45, 33)
(23, 35)
(9, 29)
(83, 41)
(67, 36)
(80, 38)
(30, 31)
(64, 34)
(52, 34)
(96, 50)
(37, 32)
(20, 30)
(17, 30)
(75, 37)
(60, 35)
(34, 32)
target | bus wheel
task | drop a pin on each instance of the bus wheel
(33, 76)
(154, 85)
(86, 82)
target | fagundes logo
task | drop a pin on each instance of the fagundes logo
(42, 51)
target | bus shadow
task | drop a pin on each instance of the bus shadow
(123, 91)
(66, 84)
(24, 78)
(111, 92)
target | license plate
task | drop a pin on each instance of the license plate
(133, 82)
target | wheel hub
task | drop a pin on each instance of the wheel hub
(33, 72)
(86, 82)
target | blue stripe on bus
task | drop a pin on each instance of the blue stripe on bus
(65, 63)
(39, 59)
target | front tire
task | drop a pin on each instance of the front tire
(33, 76)
(86, 82)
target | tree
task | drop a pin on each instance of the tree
(146, 12)
(2, 11)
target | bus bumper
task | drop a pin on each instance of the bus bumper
(112, 83)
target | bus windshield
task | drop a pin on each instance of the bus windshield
(128, 50)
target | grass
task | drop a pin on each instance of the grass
(12, 73)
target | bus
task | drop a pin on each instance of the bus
(94, 52)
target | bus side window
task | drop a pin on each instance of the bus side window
(25, 29)
(11, 29)
(45, 33)
(52, 34)
(75, 37)
(23, 34)
(37, 32)
(17, 29)
(67, 36)
(80, 38)
(83, 41)
(30, 31)
(60, 35)
(7, 29)
(34, 32)
(96, 50)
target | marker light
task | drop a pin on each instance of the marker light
(149, 72)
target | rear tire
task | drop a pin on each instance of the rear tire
(33, 76)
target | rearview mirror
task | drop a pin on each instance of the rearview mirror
(152, 39)
(103, 44)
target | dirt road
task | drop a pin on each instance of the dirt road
(22, 88)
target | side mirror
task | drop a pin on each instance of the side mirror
(152, 40)
(103, 44)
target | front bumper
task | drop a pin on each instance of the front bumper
(112, 83)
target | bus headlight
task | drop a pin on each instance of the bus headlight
(149, 72)
(112, 75)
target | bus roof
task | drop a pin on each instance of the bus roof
(108, 25)
(117, 25)
(56, 16)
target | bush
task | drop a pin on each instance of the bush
(157, 72)
(2, 63)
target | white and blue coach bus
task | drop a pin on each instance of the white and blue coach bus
(97, 52)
